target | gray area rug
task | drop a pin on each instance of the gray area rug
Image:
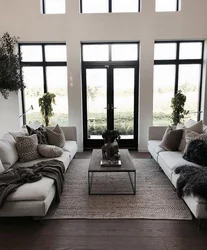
(155, 197)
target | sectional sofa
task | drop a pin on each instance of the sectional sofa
(32, 199)
(168, 161)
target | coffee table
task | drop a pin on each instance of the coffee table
(126, 166)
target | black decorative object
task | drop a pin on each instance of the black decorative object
(11, 78)
(110, 149)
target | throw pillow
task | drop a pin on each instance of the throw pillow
(56, 136)
(27, 148)
(198, 127)
(40, 132)
(191, 135)
(8, 152)
(197, 152)
(49, 150)
(171, 139)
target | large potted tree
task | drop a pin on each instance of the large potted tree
(45, 104)
(177, 105)
(11, 78)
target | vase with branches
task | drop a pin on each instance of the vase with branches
(45, 104)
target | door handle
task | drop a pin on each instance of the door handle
(107, 107)
(112, 107)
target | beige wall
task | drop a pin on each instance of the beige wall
(22, 18)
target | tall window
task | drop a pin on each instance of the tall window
(177, 66)
(167, 5)
(107, 6)
(53, 6)
(45, 70)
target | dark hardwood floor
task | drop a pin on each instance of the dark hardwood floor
(27, 234)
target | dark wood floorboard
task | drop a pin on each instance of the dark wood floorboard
(27, 234)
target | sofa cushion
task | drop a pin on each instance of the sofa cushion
(49, 151)
(64, 158)
(198, 127)
(171, 139)
(8, 152)
(56, 136)
(154, 144)
(71, 147)
(27, 148)
(40, 132)
(174, 159)
(36, 191)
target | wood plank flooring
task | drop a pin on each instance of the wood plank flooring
(27, 234)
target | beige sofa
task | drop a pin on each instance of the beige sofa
(34, 199)
(168, 161)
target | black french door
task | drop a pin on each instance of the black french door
(110, 101)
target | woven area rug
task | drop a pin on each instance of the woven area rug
(155, 197)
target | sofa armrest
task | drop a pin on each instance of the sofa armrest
(70, 133)
(156, 132)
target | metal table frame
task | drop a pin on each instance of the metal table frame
(132, 181)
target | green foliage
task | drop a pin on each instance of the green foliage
(45, 104)
(177, 104)
(11, 78)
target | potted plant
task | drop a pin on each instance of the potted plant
(45, 104)
(177, 104)
(11, 78)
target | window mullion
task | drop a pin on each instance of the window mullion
(110, 6)
(43, 6)
(177, 67)
(44, 69)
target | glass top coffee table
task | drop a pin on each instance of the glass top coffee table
(127, 166)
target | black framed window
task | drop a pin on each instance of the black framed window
(169, 5)
(53, 6)
(44, 69)
(177, 66)
(109, 6)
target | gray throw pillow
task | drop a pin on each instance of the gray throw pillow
(56, 136)
(49, 151)
(40, 132)
(27, 148)
(171, 139)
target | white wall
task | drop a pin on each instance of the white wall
(9, 113)
(22, 18)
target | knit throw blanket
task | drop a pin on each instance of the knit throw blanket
(13, 178)
(192, 181)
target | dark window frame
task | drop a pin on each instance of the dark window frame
(105, 64)
(177, 62)
(110, 7)
(42, 64)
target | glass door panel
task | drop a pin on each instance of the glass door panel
(124, 79)
(57, 84)
(96, 94)
(33, 79)
(189, 83)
